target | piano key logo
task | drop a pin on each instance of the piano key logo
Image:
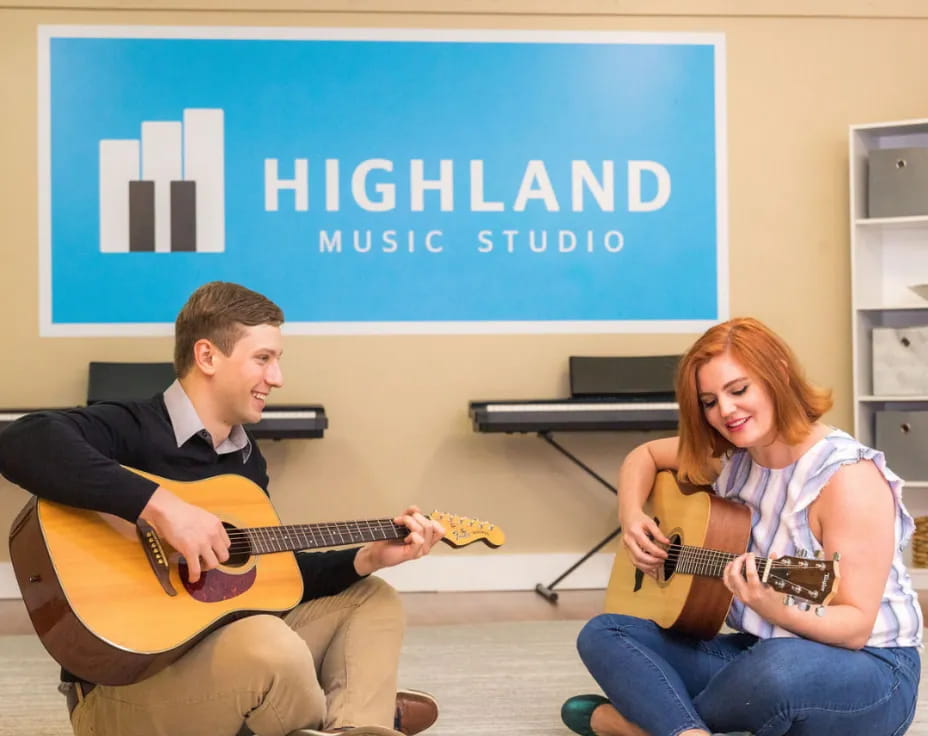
(165, 191)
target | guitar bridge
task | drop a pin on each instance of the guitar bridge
(154, 552)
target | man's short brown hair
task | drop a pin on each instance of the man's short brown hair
(219, 311)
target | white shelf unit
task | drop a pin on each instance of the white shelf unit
(888, 256)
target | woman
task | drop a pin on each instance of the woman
(750, 425)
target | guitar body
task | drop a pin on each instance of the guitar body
(690, 604)
(99, 608)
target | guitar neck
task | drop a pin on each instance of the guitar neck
(707, 562)
(266, 539)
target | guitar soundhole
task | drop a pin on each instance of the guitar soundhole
(670, 564)
(240, 551)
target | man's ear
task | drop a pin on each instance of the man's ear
(204, 356)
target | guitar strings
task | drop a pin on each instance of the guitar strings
(705, 554)
(336, 527)
(254, 539)
(279, 538)
(281, 532)
(341, 528)
(704, 559)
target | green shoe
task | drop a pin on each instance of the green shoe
(577, 711)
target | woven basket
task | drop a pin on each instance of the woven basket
(920, 542)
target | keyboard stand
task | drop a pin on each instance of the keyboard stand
(547, 591)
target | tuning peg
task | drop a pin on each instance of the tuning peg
(804, 606)
(802, 553)
(788, 600)
(819, 554)
(837, 556)
(820, 611)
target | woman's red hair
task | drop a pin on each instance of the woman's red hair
(797, 403)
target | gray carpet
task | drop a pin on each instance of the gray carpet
(496, 678)
(499, 678)
(507, 678)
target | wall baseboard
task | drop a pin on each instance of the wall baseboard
(497, 572)
(8, 586)
(460, 572)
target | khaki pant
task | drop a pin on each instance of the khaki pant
(330, 662)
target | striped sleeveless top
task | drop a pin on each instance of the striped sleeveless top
(779, 501)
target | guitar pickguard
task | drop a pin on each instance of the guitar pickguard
(217, 585)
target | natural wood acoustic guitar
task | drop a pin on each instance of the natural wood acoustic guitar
(112, 603)
(706, 532)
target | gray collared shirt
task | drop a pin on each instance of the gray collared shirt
(186, 423)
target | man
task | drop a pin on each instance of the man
(330, 663)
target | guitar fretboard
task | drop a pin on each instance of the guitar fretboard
(707, 562)
(266, 539)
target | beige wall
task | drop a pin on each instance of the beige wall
(398, 404)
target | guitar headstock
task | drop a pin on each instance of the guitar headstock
(461, 531)
(810, 580)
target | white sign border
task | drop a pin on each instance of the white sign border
(147, 329)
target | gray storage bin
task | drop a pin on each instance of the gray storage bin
(900, 361)
(897, 182)
(903, 437)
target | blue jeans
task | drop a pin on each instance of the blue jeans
(667, 682)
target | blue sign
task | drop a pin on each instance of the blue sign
(384, 181)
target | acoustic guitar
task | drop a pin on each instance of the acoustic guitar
(112, 603)
(706, 532)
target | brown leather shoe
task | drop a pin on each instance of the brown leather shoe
(348, 731)
(415, 711)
